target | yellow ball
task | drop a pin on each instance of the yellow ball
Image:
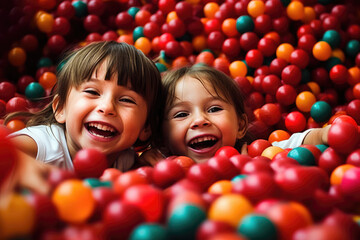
(271, 151)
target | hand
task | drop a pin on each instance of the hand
(244, 149)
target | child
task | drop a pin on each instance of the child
(107, 96)
(205, 111)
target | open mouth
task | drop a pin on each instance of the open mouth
(101, 130)
(203, 142)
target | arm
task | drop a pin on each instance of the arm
(317, 136)
(26, 145)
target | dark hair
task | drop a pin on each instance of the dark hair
(124, 60)
(222, 84)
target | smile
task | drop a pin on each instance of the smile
(203, 142)
(101, 130)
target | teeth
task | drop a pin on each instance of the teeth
(202, 139)
(102, 127)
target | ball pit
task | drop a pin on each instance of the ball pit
(298, 64)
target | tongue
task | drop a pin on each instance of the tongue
(101, 132)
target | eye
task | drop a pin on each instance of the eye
(127, 100)
(180, 114)
(214, 109)
(91, 92)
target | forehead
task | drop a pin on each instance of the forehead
(189, 83)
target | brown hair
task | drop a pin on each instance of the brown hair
(124, 60)
(223, 85)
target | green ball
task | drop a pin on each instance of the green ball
(332, 37)
(133, 11)
(305, 76)
(44, 62)
(95, 182)
(352, 48)
(34, 91)
(320, 111)
(257, 227)
(321, 147)
(332, 61)
(303, 156)
(80, 8)
(244, 24)
(238, 177)
(138, 33)
(149, 231)
(184, 221)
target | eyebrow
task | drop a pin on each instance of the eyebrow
(212, 98)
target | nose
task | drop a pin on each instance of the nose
(200, 120)
(106, 107)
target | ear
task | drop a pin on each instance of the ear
(145, 133)
(243, 125)
(58, 113)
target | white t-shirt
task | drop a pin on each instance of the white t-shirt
(52, 147)
(295, 140)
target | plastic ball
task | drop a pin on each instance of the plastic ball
(352, 48)
(321, 111)
(305, 100)
(250, 225)
(295, 122)
(80, 8)
(244, 24)
(302, 156)
(339, 74)
(343, 137)
(47, 80)
(256, 8)
(271, 151)
(295, 10)
(34, 91)
(238, 69)
(184, 221)
(89, 163)
(230, 208)
(210, 9)
(332, 37)
(350, 183)
(228, 27)
(17, 56)
(74, 201)
(284, 51)
(220, 187)
(270, 114)
(17, 217)
(338, 173)
(45, 22)
(321, 51)
(15, 125)
(143, 44)
(148, 231)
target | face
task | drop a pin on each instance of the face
(199, 122)
(100, 114)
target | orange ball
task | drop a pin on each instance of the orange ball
(295, 10)
(15, 125)
(238, 69)
(314, 87)
(338, 53)
(143, 44)
(309, 14)
(74, 201)
(210, 9)
(171, 16)
(271, 151)
(229, 27)
(45, 22)
(230, 208)
(126, 38)
(284, 51)
(220, 187)
(274, 36)
(205, 57)
(305, 100)
(17, 56)
(256, 8)
(338, 173)
(180, 62)
(47, 80)
(278, 135)
(322, 51)
(354, 76)
(199, 43)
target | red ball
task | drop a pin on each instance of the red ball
(223, 166)
(299, 58)
(270, 114)
(350, 184)
(295, 122)
(166, 173)
(124, 20)
(343, 137)
(210, 228)
(286, 95)
(16, 104)
(96, 7)
(248, 41)
(215, 40)
(203, 175)
(329, 160)
(7, 90)
(56, 44)
(270, 84)
(339, 74)
(89, 163)
(61, 26)
(277, 65)
(184, 10)
(353, 110)
(306, 42)
(267, 46)
(254, 58)
(151, 30)
(231, 47)
(92, 23)
(257, 147)
(263, 24)
(291, 75)
(176, 27)
(173, 49)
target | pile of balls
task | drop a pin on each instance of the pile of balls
(298, 64)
